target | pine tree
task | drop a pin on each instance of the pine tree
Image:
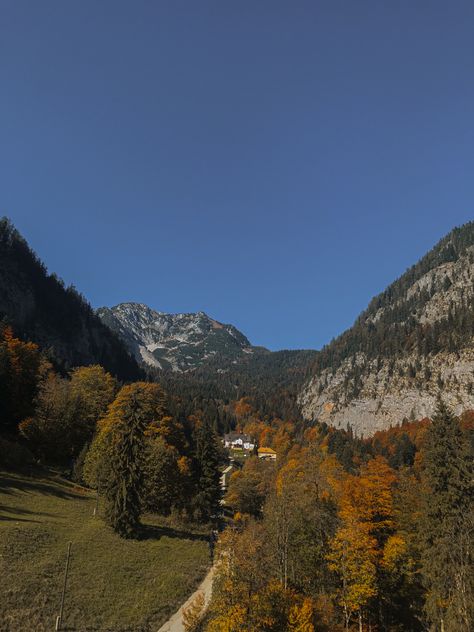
(447, 525)
(130, 415)
(208, 497)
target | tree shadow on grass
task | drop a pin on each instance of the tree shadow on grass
(16, 519)
(153, 532)
(10, 485)
(19, 511)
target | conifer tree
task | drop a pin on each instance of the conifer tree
(447, 525)
(134, 409)
(207, 499)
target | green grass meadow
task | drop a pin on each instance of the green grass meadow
(114, 585)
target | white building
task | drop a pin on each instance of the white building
(238, 441)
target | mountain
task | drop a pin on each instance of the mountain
(40, 308)
(177, 342)
(414, 342)
(206, 364)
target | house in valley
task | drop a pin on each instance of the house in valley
(238, 441)
(267, 453)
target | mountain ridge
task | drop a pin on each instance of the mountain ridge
(414, 341)
(42, 309)
(177, 342)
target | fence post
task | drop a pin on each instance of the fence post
(59, 618)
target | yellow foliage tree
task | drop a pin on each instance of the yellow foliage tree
(301, 617)
(367, 521)
(353, 557)
(233, 620)
(192, 615)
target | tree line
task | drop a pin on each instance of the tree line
(119, 439)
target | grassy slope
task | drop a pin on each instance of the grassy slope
(113, 584)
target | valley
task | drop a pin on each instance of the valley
(334, 532)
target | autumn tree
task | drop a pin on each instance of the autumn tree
(246, 594)
(241, 572)
(317, 521)
(353, 558)
(367, 519)
(66, 412)
(299, 517)
(21, 370)
(301, 616)
(249, 487)
(54, 431)
(96, 389)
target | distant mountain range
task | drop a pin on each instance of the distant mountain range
(414, 342)
(176, 342)
(204, 362)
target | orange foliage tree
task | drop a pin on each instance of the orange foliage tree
(366, 513)
(21, 370)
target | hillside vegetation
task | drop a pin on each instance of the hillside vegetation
(413, 340)
(42, 309)
(394, 322)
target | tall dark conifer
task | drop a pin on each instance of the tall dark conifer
(447, 525)
(208, 496)
(127, 454)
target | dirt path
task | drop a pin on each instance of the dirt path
(175, 624)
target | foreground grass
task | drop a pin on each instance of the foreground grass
(114, 584)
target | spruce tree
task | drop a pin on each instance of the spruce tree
(447, 525)
(132, 412)
(208, 496)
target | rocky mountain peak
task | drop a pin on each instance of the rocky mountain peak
(180, 342)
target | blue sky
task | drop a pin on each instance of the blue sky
(275, 164)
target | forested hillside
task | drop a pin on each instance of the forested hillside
(208, 364)
(344, 534)
(324, 530)
(270, 381)
(41, 309)
(413, 339)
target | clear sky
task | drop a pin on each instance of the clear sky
(275, 164)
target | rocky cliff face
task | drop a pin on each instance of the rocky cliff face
(414, 342)
(389, 393)
(178, 342)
